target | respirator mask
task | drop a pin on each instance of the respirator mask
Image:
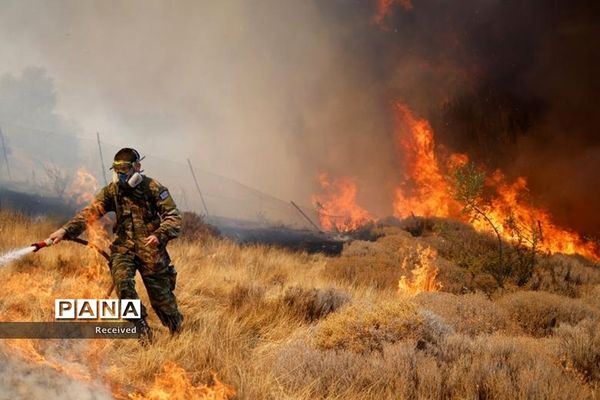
(125, 174)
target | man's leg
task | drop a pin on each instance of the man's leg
(158, 283)
(122, 269)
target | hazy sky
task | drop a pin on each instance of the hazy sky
(214, 81)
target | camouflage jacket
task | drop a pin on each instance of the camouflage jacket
(147, 209)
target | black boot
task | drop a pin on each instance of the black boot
(175, 324)
(145, 332)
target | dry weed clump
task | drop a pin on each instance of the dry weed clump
(471, 314)
(581, 347)
(564, 274)
(245, 296)
(537, 313)
(365, 327)
(314, 304)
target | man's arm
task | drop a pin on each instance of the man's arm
(102, 204)
(170, 218)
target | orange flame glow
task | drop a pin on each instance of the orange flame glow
(174, 384)
(423, 273)
(512, 199)
(83, 187)
(337, 207)
(426, 191)
(384, 8)
(83, 190)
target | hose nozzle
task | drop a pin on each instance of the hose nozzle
(40, 245)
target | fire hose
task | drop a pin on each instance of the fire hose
(48, 242)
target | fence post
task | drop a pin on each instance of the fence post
(5, 152)
(306, 216)
(197, 186)
(101, 159)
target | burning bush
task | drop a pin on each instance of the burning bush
(372, 264)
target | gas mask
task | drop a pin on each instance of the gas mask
(125, 175)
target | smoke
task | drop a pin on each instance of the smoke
(24, 380)
(271, 92)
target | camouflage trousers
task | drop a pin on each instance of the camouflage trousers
(159, 281)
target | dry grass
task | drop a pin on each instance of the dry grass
(280, 325)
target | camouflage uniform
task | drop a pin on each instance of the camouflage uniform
(148, 209)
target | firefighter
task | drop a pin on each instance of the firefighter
(146, 220)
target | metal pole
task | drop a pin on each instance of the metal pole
(5, 155)
(197, 186)
(101, 159)
(306, 216)
(184, 198)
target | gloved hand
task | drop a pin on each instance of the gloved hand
(58, 235)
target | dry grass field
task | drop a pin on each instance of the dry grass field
(273, 324)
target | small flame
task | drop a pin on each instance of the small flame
(337, 207)
(384, 8)
(83, 187)
(424, 273)
(174, 384)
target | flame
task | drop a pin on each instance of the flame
(174, 384)
(83, 187)
(338, 210)
(384, 8)
(424, 273)
(512, 200)
(425, 190)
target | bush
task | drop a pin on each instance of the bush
(564, 274)
(242, 295)
(365, 327)
(313, 304)
(581, 347)
(539, 312)
(471, 314)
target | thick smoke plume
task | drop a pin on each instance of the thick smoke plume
(271, 92)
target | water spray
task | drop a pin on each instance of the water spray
(14, 255)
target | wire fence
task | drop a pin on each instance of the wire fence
(66, 167)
